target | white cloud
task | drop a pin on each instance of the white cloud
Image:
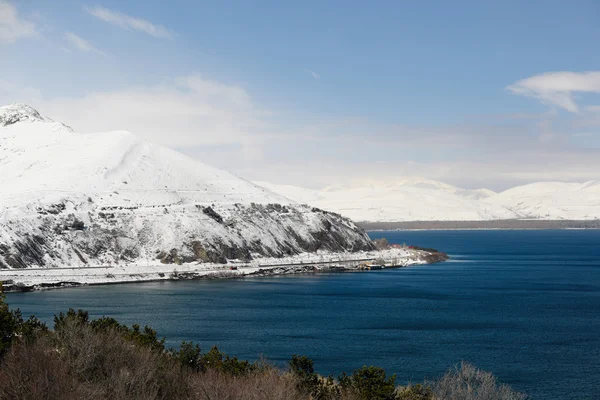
(79, 43)
(130, 23)
(314, 74)
(186, 111)
(557, 88)
(12, 27)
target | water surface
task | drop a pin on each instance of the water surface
(523, 304)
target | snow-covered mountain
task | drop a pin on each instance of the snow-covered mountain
(406, 200)
(552, 200)
(71, 199)
(428, 200)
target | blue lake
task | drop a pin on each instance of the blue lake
(522, 304)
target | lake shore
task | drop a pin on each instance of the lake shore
(32, 279)
(507, 224)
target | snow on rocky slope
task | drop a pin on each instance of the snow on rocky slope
(70, 199)
(428, 200)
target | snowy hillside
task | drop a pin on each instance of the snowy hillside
(428, 200)
(552, 200)
(71, 199)
(408, 200)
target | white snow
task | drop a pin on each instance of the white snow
(429, 200)
(41, 160)
(552, 200)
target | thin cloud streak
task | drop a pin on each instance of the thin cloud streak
(81, 44)
(12, 27)
(129, 23)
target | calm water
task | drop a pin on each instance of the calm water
(523, 304)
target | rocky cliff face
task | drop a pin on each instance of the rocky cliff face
(65, 234)
(89, 200)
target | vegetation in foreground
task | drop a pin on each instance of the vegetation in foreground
(103, 359)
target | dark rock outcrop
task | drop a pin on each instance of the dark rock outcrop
(90, 235)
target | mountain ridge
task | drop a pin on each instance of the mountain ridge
(428, 200)
(72, 199)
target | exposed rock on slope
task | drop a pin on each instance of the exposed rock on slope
(72, 199)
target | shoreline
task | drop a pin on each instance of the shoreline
(57, 278)
(480, 229)
(517, 224)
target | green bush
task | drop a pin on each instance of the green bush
(31, 329)
(220, 361)
(78, 317)
(8, 325)
(147, 337)
(13, 326)
(309, 383)
(189, 355)
(303, 369)
(369, 383)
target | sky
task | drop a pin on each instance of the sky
(473, 93)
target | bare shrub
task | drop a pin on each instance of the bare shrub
(263, 384)
(112, 367)
(35, 371)
(414, 392)
(466, 382)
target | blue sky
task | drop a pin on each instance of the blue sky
(316, 93)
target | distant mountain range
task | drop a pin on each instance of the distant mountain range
(429, 200)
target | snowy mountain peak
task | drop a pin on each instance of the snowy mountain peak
(19, 112)
(13, 113)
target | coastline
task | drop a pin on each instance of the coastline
(26, 280)
(509, 224)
